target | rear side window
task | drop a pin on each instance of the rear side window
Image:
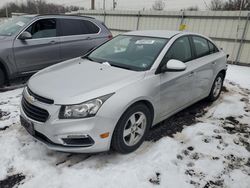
(201, 46)
(180, 50)
(212, 48)
(77, 27)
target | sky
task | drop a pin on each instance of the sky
(128, 4)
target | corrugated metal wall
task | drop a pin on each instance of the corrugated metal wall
(229, 29)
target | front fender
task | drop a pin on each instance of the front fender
(143, 90)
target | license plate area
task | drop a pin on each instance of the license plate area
(28, 125)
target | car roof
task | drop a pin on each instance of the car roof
(56, 15)
(154, 33)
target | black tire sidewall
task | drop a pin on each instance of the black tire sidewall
(117, 139)
(2, 78)
(211, 96)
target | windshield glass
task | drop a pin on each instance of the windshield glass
(131, 52)
(13, 25)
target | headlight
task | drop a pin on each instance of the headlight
(83, 110)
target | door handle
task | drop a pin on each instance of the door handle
(214, 63)
(52, 42)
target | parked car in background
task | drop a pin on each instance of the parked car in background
(113, 95)
(32, 42)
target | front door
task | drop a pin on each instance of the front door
(177, 87)
(40, 51)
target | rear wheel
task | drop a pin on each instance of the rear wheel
(2, 78)
(131, 129)
(216, 88)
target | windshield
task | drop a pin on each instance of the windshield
(131, 52)
(13, 25)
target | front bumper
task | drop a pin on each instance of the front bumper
(70, 135)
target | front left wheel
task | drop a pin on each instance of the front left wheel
(131, 129)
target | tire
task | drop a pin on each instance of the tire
(2, 78)
(216, 88)
(128, 136)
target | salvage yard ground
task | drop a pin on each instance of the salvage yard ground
(206, 145)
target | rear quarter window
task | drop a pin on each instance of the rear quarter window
(212, 48)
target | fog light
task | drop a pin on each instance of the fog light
(104, 135)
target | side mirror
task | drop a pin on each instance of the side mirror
(25, 35)
(174, 65)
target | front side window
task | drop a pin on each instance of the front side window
(13, 25)
(201, 46)
(77, 27)
(180, 50)
(130, 52)
(43, 29)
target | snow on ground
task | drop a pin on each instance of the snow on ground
(239, 74)
(213, 152)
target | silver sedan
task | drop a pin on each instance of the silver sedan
(113, 95)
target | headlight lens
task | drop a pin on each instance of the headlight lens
(83, 110)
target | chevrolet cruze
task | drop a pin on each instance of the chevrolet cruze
(113, 95)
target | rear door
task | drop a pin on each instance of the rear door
(78, 36)
(40, 51)
(204, 63)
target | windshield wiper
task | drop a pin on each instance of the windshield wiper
(87, 57)
(119, 66)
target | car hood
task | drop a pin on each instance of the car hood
(79, 80)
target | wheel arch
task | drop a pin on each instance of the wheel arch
(148, 104)
(145, 102)
(223, 71)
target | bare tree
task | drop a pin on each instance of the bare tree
(237, 5)
(230, 5)
(216, 5)
(35, 7)
(158, 5)
(192, 8)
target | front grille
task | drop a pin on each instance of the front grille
(34, 112)
(40, 98)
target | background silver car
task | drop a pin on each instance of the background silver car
(30, 43)
(112, 96)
